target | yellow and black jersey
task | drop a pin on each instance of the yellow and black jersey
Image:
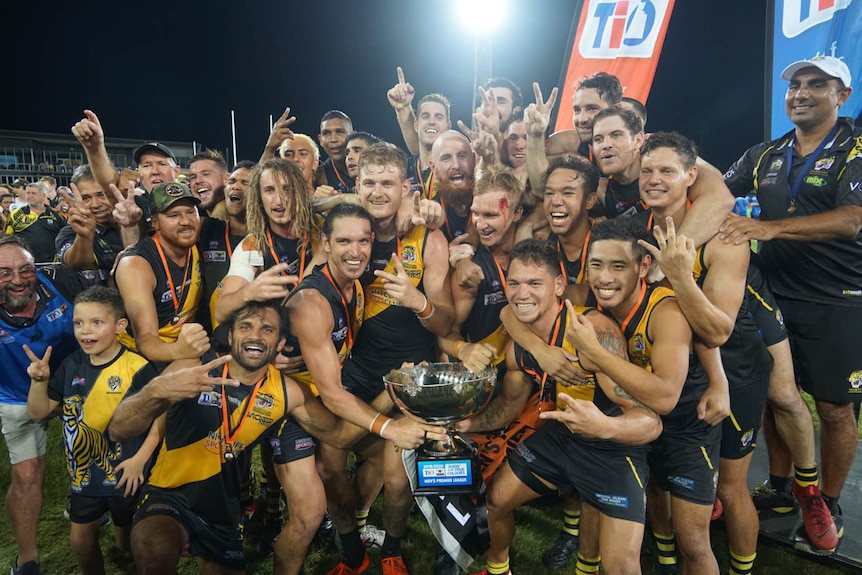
(391, 333)
(542, 382)
(574, 271)
(88, 395)
(483, 324)
(202, 457)
(40, 230)
(347, 317)
(185, 282)
(216, 245)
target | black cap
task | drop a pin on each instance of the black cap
(153, 147)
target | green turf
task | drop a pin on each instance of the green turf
(537, 528)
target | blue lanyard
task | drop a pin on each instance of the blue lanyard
(794, 186)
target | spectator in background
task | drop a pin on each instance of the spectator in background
(37, 223)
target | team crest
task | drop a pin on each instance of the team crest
(747, 437)
(855, 379)
(264, 401)
(114, 383)
(638, 343)
(824, 164)
(408, 254)
(776, 165)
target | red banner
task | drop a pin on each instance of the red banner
(621, 37)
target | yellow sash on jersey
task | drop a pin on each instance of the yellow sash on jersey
(412, 246)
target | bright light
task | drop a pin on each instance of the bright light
(482, 15)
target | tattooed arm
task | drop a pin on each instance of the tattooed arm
(637, 425)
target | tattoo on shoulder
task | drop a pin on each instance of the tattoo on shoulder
(612, 342)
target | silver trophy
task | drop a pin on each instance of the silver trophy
(443, 393)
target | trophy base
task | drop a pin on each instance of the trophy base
(447, 472)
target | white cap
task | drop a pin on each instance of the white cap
(828, 64)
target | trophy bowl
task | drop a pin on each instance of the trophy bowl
(442, 393)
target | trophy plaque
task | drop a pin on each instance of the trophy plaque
(444, 394)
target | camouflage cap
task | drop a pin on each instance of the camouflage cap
(165, 195)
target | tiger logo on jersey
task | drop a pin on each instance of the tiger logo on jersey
(85, 446)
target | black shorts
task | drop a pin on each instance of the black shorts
(827, 349)
(609, 476)
(361, 381)
(688, 471)
(292, 443)
(86, 509)
(764, 308)
(220, 544)
(739, 429)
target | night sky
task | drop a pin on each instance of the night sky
(174, 70)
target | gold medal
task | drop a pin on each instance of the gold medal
(792, 207)
(228, 452)
(175, 320)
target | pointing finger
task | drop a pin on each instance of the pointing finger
(400, 73)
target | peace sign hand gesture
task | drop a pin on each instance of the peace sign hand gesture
(38, 370)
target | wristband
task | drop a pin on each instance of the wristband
(373, 421)
(423, 313)
(383, 427)
(458, 348)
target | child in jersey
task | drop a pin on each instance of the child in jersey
(88, 385)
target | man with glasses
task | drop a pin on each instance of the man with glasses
(35, 310)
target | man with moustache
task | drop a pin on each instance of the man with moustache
(213, 415)
(335, 127)
(277, 250)
(35, 310)
(160, 280)
(453, 163)
(91, 240)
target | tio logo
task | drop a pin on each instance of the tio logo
(800, 15)
(621, 28)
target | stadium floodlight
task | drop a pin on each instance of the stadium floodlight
(481, 15)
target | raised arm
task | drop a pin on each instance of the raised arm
(89, 133)
(39, 405)
(400, 97)
(711, 311)
(537, 116)
(280, 132)
(80, 254)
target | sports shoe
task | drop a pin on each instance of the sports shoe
(326, 526)
(717, 509)
(816, 517)
(838, 518)
(445, 565)
(394, 566)
(765, 497)
(272, 525)
(342, 569)
(372, 537)
(485, 572)
(28, 568)
(558, 555)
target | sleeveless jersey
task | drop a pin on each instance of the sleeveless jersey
(347, 318)
(216, 245)
(575, 271)
(483, 324)
(192, 459)
(188, 293)
(390, 333)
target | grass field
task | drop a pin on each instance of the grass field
(537, 528)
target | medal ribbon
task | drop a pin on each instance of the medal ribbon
(795, 185)
(278, 261)
(174, 297)
(328, 275)
(226, 431)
